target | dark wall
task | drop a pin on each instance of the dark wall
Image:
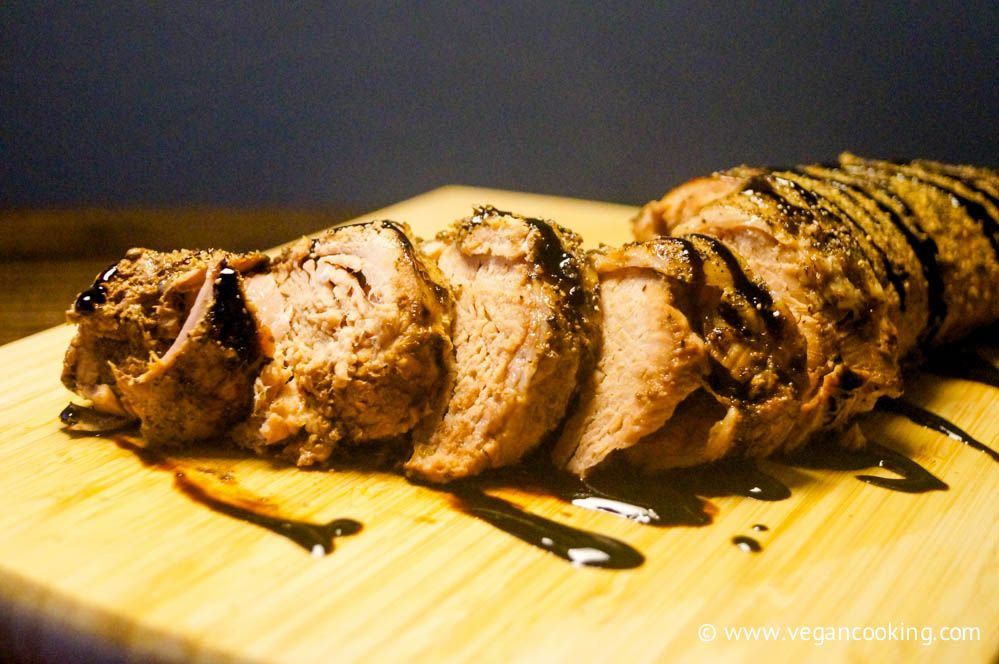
(365, 103)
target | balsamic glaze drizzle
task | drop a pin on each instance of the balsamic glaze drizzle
(317, 539)
(667, 498)
(557, 265)
(976, 187)
(80, 419)
(649, 501)
(230, 320)
(747, 544)
(580, 547)
(925, 418)
(730, 477)
(758, 295)
(914, 478)
(812, 200)
(975, 210)
(88, 300)
(945, 182)
(670, 498)
(314, 538)
(692, 257)
(636, 499)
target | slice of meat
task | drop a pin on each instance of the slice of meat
(526, 320)
(650, 359)
(168, 338)
(697, 361)
(362, 350)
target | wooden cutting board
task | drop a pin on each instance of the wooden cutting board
(98, 550)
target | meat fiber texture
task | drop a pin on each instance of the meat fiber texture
(865, 263)
(525, 323)
(362, 349)
(697, 361)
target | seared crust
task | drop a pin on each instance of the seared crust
(964, 223)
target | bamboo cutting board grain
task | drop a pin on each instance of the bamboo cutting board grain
(98, 549)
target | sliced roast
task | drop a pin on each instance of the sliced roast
(362, 352)
(525, 323)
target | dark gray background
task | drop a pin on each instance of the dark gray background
(366, 103)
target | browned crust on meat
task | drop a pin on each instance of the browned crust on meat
(171, 342)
